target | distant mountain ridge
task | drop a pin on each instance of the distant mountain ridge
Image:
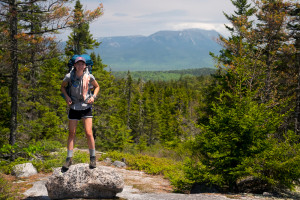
(161, 51)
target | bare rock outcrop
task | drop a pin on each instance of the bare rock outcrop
(24, 170)
(119, 164)
(79, 181)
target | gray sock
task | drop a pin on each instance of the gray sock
(92, 152)
(70, 153)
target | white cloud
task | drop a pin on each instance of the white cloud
(145, 17)
(169, 13)
(219, 27)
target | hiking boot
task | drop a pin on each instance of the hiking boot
(93, 162)
(68, 163)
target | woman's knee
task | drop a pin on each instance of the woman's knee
(89, 134)
(72, 134)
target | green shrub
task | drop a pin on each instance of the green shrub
(81, 157)
(25, 155)
(169, 168)
(7, 150)
(150, 165)
(239, 141)
(33, 149)
(160, 151)
(51, 145)
(6, 165)
(278, 166)
(28, 150)
(57, 159)
(179, 181)
(52, 160)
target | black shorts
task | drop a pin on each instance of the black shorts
(79, 114)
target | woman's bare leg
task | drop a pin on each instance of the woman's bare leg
(72, 132)
(70, 145)
(88, 123)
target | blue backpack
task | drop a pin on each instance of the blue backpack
(89, 62)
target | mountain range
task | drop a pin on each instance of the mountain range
(163, 50)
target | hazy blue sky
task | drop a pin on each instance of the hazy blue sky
(144, 17)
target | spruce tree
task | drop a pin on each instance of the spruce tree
(15, 15)
(150, 115)
(81, 39)
(128, 96)
(239, 32)
(273, 43)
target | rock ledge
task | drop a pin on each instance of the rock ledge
(82, 182)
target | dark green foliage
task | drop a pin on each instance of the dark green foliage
(240, 21)
(165, 75)
(169, 168)
(245, 128)
(109, 127)
(278, 165)
(132, 115)
(5, 113)
(233, 134)
(43, 112)
(148, 164)
(80, 39)
(33, 154)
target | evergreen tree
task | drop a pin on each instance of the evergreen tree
(137, 114)
(239, 44)
(45, 117)
(273, 45)
(81, 39)
(150, 115)
(248, 94)
(128, 97)
(294, 26)
(240, 30)
(13, 30)
(14, 13)
(109, 125)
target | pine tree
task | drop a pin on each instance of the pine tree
(239, 44)
(14, 14)
(150, 115)
(81, 39)
(137, 123)
(240, 30)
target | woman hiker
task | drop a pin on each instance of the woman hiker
(80, 102)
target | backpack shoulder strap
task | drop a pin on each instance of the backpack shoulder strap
(70, 82)
(72, 76)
